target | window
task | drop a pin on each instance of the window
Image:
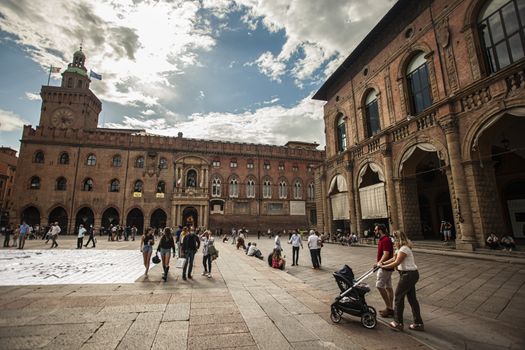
(69, 82)
(267, 166)
(117, 160)
(61, 183)
(138, 186)
(79, 84)
(163, 163)
(311, 191)
(341, 133)
(216, 163)
(418, 85)
(372, 114)
(64, 158)
(297, 190)
(191, 178)
(295, 168)
(502, 32)
(234, 188)
(39, 157)
(283, 191)
(114, 186)
(161, 187)
(87, 185)
(249, 165)
(267, 189)
(139, 162)
(250, 189)
(281, 167)
(216, 187)
(91, 160)
(233, 163)
(35, 183)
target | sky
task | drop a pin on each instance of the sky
(230, 70)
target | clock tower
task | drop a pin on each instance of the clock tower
(73, 104)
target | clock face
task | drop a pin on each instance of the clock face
(62, 118)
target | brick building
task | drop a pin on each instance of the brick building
(424, 122)
(73, 172)
(8, 161)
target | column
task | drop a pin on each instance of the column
(351, 194)
(465, 239)
(390, 193)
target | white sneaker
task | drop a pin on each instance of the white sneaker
(209, 275)
(204, 273)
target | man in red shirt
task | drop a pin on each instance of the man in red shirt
(385, 251)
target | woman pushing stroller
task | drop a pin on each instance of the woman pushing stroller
(408, 277)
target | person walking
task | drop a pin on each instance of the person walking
(166, 245)
(207, 242)
(277, 244)
(385, 251)
(313, 245)
(80, 237)
(408, 277)
(190, 245)
(55, 231)
(296, 242)
(8, 232)
(91, 233)
(146, 247)
(22, 235)
(133, 232)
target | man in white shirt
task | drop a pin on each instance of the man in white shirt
(80, 237)
(55, 230)
(278, 241)
(313, 245)
(296, 242)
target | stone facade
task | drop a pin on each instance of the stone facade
(73, 172)
(8, 161)
(457, 157)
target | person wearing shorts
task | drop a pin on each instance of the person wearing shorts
(146, 247)
(385, 251)
(166, 245)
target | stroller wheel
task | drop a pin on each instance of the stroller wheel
(368, 320)
(335, 315)
(372, 311)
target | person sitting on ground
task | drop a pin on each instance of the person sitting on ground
(248, 247)
(508, 243)
(353, 238)
(278, 262)
(254, 251)
(493, 241)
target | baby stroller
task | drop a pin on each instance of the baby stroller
(352, 297)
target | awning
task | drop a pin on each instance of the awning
(373, 201)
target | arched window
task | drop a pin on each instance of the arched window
(69, 82)
(297, 190)
(61, 183)
(139, 162)
(502, 31)
(250, 189)
(372, 114)
(34, 183)
(64, 158)
(216, 187)
(234, 188)
(283, 190)
(137, 187)
(341, 133)
(418, 84)
(91, 160)
(114, 185)
(163, 163)
(161, 187)
(117, 160)
(267, 189)
(191, 178)
(39, 157)
(311, 191)
(87, 185)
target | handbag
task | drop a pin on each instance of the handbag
(212, 250)
(180, 263)
(155, 259)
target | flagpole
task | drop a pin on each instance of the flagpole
(49, 76)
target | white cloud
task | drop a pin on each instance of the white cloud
(148, 112)
(270, 66)
(272, 125)
(33, 97)
(10, 121)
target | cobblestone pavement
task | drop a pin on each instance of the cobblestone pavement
(466, 303)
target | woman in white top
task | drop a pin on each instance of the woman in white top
(408, 277)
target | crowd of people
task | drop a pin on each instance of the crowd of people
(506, 242)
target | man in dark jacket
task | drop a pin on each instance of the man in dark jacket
(190, 245)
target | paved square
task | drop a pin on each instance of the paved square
(42, 267)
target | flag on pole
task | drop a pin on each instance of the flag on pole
(54, 69)
(95, 75)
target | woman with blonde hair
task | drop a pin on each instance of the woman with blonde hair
(403, 260)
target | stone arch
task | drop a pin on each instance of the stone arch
(470, 17)
(374, 166)
(409, 54)
(410, 146)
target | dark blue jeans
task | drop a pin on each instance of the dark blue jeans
(315, 257)
(188, 265)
